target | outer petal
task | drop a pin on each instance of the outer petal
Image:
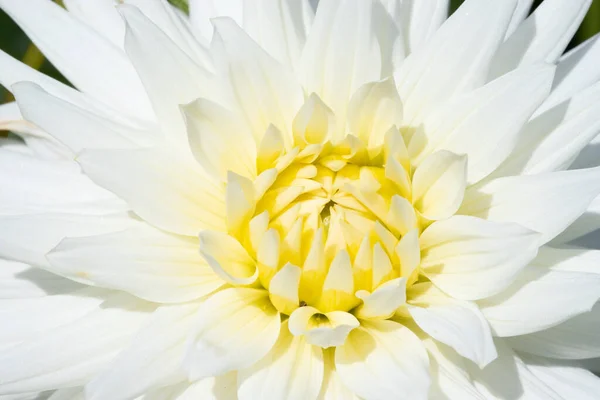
(44, 362)
(546, 203)
(420, 20)
(553, 276)
(18, 280)
(203, 11)
(382, 360)
(293, 370)
(455, 60)
(344, 51)
(456, 323)
(88, 60)
(575, 72)
(509, 378)
(170, 77)
(450, 379)
(76, 127)
(161, 188)
(45, 186)
(219, 140)
(542, 37)
(470, 258)
(143, 261)
(279, 26)
(152, 361)
(574, 339)
(553, 139)
(485, 124)
(333, 388)
(266, 91)
(567, 381)
(17, 242)
(234, 329)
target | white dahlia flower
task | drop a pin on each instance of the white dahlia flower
(272, 200)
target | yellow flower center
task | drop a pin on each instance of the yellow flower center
(329, 226)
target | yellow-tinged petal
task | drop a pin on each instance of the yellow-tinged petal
(322, 329)
(401, 217)
(338, 288)
(409, 253)
(383, 302)
(239, 201)
(267, 257)
(382, 266)
(384, 360)
(292, 370)
(439, 185)
(283, 289)
(234, 329)
(314, 123)
(228, 258)
(271, 147)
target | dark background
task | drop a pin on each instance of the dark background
(14, 42)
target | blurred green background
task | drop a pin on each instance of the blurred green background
(14, 42)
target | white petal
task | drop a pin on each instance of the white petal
(143, 261)
(162, 188)
(567, 381)
(373, 109)
(219, 140)
(459, 324)
(176, 25)
(485, 124)
(266, 91)
(574, 339)
(553, 140)
(471, 258)
(223, 387)
(152, 361)
(521, 12)
(552, 276)
(45, 186)
(382, 360)
(455, 60)
(202, 11)
(170, 77)
(228, 258)
(439, 185)
(583, 231)
(45, 312)
(89, 61)
(575, 72)
(279, 26)
(508, 377)
(60, 358)
(18, 280)
(546, 203)
(17, 242)
(384, 301)
(449, 378)
(542, 37)
(75, 393)
(333, 388)
(100, 15)
(419, 21)
(76, 127)
(344, 51)
(292, 370)
(234, 329)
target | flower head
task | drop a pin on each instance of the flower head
(270, 200)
